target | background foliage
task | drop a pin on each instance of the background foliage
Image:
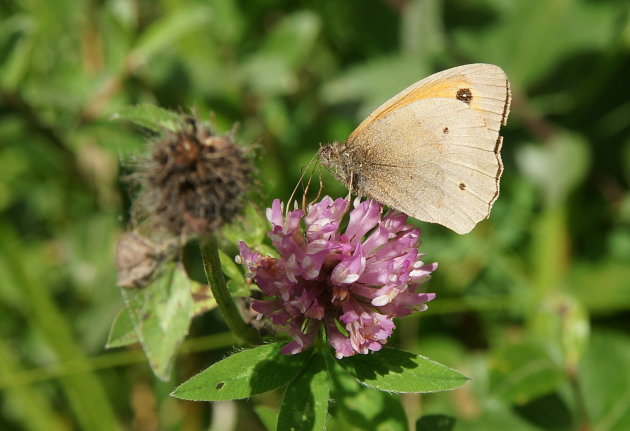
(533, 305)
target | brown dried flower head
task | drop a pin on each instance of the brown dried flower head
(194, 182)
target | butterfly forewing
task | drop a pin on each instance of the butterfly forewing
(487, 83)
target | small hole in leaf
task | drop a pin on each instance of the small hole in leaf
(219, 385)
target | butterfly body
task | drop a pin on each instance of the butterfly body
(433, 150)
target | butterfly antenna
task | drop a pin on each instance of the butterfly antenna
(303, 170)
(316, 165)
(321, 183)
(350, 186)
(305, 191)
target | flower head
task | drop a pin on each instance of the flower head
(350, 283)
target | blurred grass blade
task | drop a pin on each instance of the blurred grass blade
(84, 391)
(30, 399)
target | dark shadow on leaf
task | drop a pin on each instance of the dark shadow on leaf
(458, 14)
(299, 410)
(277, 371)
(548, 412)
(350, 398)
(381, 363)
(435, 423)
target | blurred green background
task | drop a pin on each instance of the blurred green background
(534, 304)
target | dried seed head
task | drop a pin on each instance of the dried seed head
(194, 182)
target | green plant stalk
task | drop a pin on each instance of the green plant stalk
(216, 280)
(580, 402)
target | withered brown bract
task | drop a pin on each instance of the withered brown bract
(137, 258)
(433, 150)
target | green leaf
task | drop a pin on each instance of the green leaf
(575, 329)
(267, 250)
(242, 375)
(202, 298)
(435, 423)
(305, 402)
(530, 59)
(272, 69)
(161, 314)
(612, 280)
(373, 82)
(548, 412)
(422, 29)
(150, 117)
(167, 30)
(230, 268)
(363, 407)
(397, 371)
(605, 381)
(267, 415)
(520, 372)
(251, 230)
(540, 163)
(499, 417)
(293, 39)
(236, 284)
(16, 64)
(122, 331)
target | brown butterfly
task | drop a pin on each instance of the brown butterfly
(433, 150)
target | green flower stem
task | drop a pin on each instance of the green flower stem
(581, 410)
(216, 279)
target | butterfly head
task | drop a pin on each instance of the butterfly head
(339, 162)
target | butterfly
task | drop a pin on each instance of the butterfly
(433, 150)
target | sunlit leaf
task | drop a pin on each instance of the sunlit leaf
(251, 229)
(243, 374)
(202, 298)
(161, 314)
(122, 331)
(397, 371)
(268, 416)
(236, 284)
(151, 117)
